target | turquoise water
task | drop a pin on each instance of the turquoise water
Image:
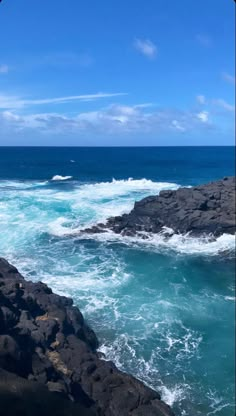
(163, 310)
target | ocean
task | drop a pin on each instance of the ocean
(162, 310)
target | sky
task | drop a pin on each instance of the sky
(117, 73)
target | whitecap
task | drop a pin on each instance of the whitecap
(125, 186)
(61, 178)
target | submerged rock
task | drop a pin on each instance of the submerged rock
(49, 363)
(205, 209)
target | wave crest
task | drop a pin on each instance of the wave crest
(61, 178)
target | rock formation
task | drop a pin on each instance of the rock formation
(48, 359)
(204, 209)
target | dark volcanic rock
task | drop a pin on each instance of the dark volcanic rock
(205, 209)
(21, 397)
(49, 363)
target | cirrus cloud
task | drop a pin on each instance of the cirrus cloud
(14, 102)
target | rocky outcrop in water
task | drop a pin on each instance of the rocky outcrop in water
(49, 363)
(204, 209)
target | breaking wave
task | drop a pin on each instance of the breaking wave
(143, 295)
(180, 243)
(60, 178)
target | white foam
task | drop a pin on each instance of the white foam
(180, 243)
(102, 304)
(93, 203)
(56, 227)
(123, 352)
(217, 402)
(175, 394)
(60, 178)
(20, 186)
(93, 274)
(125, 186)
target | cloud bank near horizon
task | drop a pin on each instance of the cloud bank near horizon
(109, 121)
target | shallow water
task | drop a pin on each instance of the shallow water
(163, 309)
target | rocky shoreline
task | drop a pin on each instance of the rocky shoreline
(49, 362)
(201, 210)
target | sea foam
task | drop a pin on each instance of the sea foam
(181, 243)
(139, 310)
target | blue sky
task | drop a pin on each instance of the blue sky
(127, 72)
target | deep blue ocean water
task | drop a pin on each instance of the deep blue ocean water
(163, 310)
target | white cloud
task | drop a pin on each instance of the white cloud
(18, 116)
(229, 78)
(203, 116)
(204, 40)
(9, 116)
(212, 104)
(201, 99)
(14, 102)
(109, 121)
(146, 47)
(177, 125)
(4, 69)
(10, 102)
(223, 104)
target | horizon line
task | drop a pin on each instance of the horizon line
(113, 146)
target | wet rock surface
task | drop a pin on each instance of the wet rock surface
(49, 363)
(204, 209)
